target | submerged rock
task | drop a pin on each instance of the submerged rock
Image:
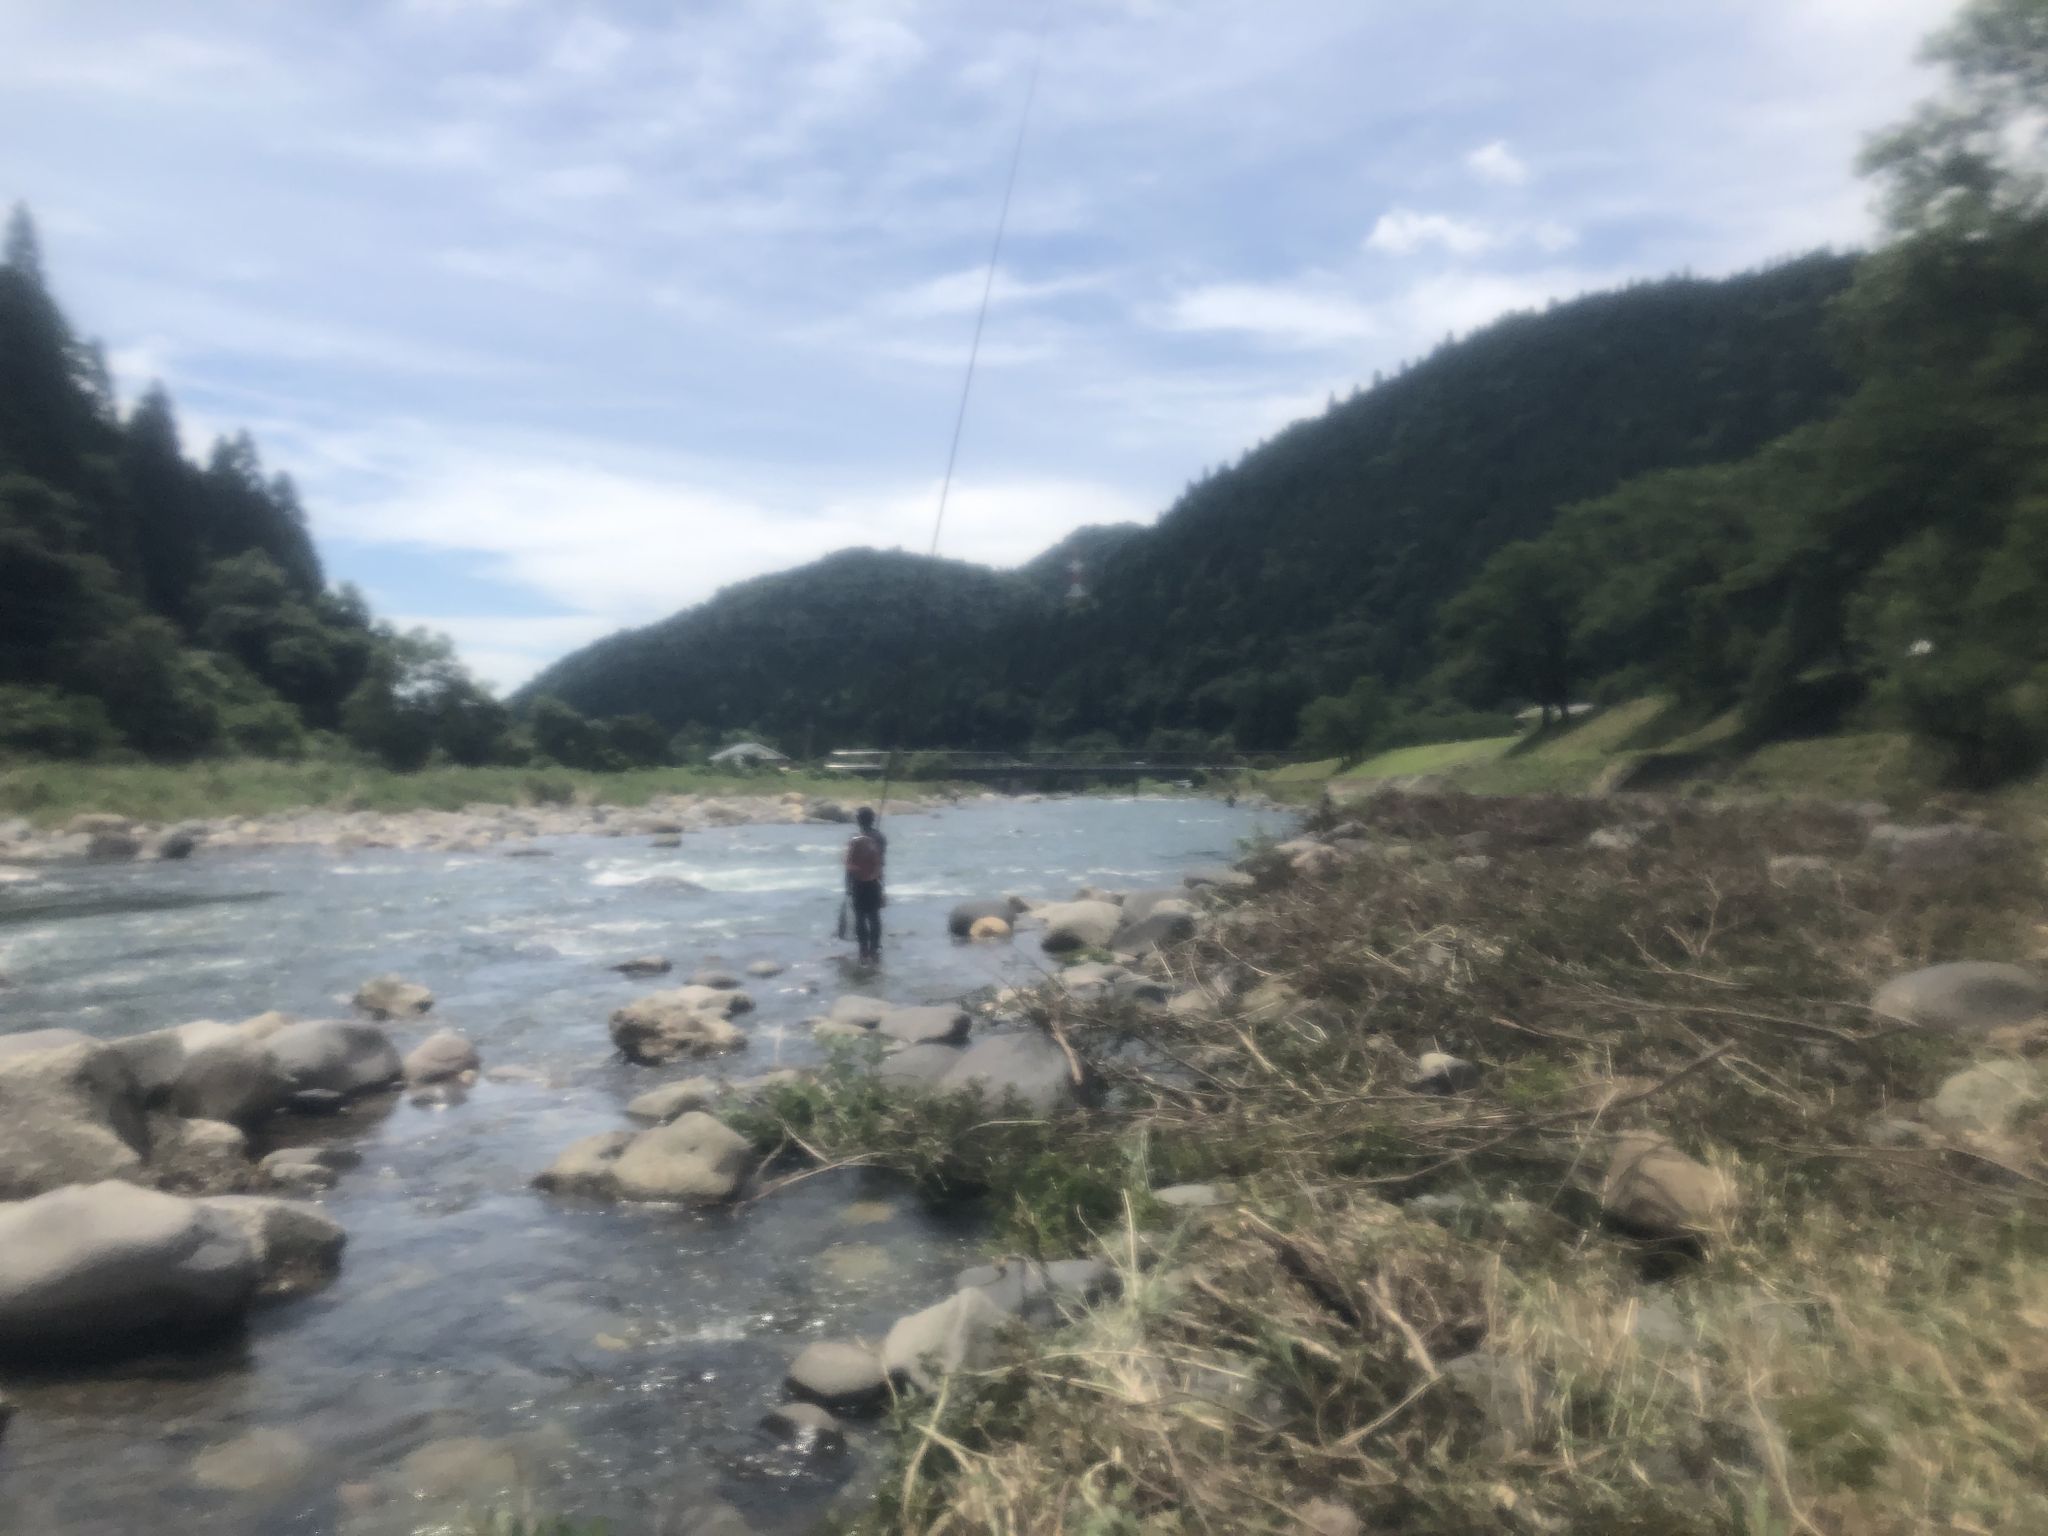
(261, 1461)
(392, 997)
(1003, 909)
(764, 969)
(106, 1268)
(644, 965)
(585, 1167)
(806, 1426)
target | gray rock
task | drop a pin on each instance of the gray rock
(1653, 1188)
(339, 1055)
(1436, 1072)
(113, 847)
(764, 969)
(1073, 925)
(717, 981)
(1040, 1293)
(1614, 840)
(264, 1460)
(925, 1026)
(391, 997)
(961, 920)
(685, 1021)
(441, 1056)
(585, 1167)
(1022, 1062)
(1139, 905)
(70, 1113)
(1156, 931)
(958, 1334)
(173, 845)
(660, 1105)
(1964, 997)
(644, 965)
(31, 1042)
(1985, 1100)
(1222, 879)
(298, 1247)
(866, 1012)
(231, 1078)
(844, 1377)
(694, 1159)
(806, 1426)
(1189, 1197)
(198, 1156)
(292, 1169)
(109, 1266)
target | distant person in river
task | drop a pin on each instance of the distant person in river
(866, 857)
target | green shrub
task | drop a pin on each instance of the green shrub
(47, 722)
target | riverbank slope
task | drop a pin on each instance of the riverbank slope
(1560, 1164)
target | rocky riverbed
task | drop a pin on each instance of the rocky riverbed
(287, 1237)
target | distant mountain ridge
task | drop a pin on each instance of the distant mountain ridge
(1323, 555)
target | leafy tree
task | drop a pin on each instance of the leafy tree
(1346, 725)
(156, 692)
(562, 734)
(47, 722)
(1511, 630)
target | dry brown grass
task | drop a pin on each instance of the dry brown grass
(1862, 1352)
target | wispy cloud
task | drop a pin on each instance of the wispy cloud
(1403, 232)
(1497, 163)
(1286, 314)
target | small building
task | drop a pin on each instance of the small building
(749, 754)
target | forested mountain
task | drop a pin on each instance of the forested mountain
(1896, 551)
(1323, 554)
(172, 608)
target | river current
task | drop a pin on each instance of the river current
(609, 1361)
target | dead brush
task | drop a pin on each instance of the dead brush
(1414, 1307)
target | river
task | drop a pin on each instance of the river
(617, 1358)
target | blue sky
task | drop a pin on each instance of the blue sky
(567, 314)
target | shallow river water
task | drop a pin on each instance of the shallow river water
(614, 1360)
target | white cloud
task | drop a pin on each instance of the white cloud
(959, 293)
(1293, 315)
(1495, 162)
(1403, 232)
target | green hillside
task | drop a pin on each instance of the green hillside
(1323, 554)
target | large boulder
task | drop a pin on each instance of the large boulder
(1022, 1062)
(1964, 997)
(441, 1056)
(694, 1159)
(684, 1021)
(961, 920)
(392, 997)
(198, 1156)
(297, 1246)
(1653, 1188)
(863, 1012)
(335, 1055)
(1139, 905)
(919, 1066)
(70, 1113)
(959, 1334)
(1073, 925)
(106, 1267)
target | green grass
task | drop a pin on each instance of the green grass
(51, 793)
(1432, 757)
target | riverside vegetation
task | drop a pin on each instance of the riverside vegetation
(1519, 1164)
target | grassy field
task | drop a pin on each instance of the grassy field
(1434, 757)
(51, 793)
(1415, 1307)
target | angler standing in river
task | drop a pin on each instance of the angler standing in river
(866, 857)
